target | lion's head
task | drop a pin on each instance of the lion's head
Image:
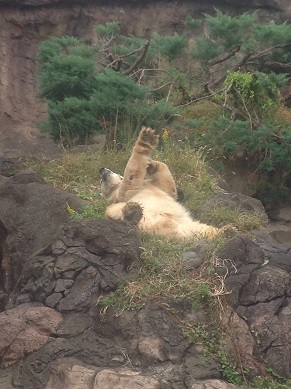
(110, 183)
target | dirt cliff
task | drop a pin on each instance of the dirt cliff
(26, 23)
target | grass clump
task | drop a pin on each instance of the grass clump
(78, 173)
(164, 274)
(271, 381)
(240, 220)
(96, 211)
(210, 336)
(190, 172)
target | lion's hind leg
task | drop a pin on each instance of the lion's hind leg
(162, 178)
(193, 228)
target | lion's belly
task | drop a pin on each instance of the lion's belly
(161, 213)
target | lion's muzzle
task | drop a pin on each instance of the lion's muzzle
(104, 173)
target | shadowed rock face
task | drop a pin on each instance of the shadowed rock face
(88, 259)
(32, 214)
(36, 3)
(26, 23)
(260, 281)
(143, 348)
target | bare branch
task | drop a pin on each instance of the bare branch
(245, 60)
(139, 60)
(161, 87)
(170, 91)
(278, 66)
(270, 50)
(229, 55)
(136, 50)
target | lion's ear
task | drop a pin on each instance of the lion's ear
(180, 195)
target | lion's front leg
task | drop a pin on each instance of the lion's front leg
(114, 211)
(136, 167)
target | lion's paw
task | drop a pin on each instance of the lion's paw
(132, 213)
(147, 140)
(152, 167)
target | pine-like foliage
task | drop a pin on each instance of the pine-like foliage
(98, 89)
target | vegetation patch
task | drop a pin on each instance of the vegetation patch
(242, 221)
(164, 275)
(211, 337)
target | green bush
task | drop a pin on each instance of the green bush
(87, 96)
(238, 59)
(170, 47)
(71, 120)
(116, 94)
(67, 75)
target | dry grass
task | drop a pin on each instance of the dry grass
(164, 274)
(221, 216)
(79, 172)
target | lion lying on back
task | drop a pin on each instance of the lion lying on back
(149, 203)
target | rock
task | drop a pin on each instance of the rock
(214, 384)
(198, 367)
(151, 347)
(43, 213)
(260, 281)
(24, 330)
(8, 166)
(124, 378)
(150, 335)
(236, 202)
(52, 300)
(76, 339)
(70, 374)
(281, 232)
(87, 259)
(155, 322)
(282, 214)
(239, 343)
(84, 349)
(191, 260)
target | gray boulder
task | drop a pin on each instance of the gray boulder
(236, 202)
(87, 259)
(258, 275)
(32, 214)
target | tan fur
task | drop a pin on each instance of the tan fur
(162, 214)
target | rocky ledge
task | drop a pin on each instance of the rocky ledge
(56, 335)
